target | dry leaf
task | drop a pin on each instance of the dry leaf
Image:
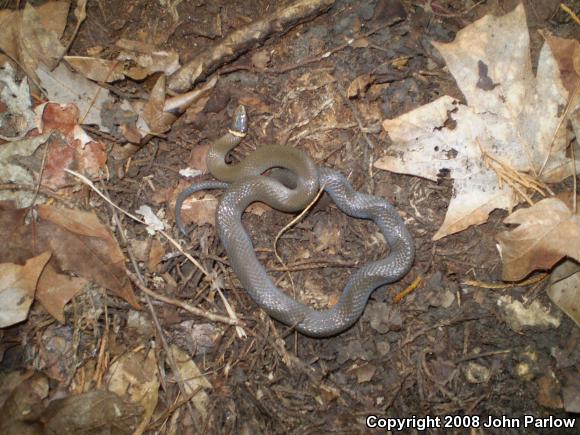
(154, 114)
(10, 172)
(97, 411)
(67, 87)
(99, 70)
(146, 59)
(156, 254)
(511, 115)
(17, 118)
(520, 316)
(71, 149)
(153, 222)
(365, 373)
(17, 288)
(564, 289)
(567, 54)
(55, 290)
(359, 86)
(81, 244)
(199, 211)
(193, 379)
(261, 59)
(134, 376)
(24, 405)
(547, 232)
(31, 35)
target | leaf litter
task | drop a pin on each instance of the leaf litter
(505, 144)
(512, 119)
(497, 148)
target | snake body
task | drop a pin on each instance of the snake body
(291, 189)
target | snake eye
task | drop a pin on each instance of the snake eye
(240, 123)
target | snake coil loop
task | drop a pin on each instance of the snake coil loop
(245, 184)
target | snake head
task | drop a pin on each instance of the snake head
(240, 123)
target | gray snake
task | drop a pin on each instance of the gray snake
(290, 187)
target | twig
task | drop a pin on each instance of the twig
(501, 286)
(290, 225)
(564, 116)
(570, 12)
(240, 41)
(518, 181)
(135, 218)
(193, 310)
(410, 288)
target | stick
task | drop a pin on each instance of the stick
(242, 40)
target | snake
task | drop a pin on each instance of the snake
(287, 179)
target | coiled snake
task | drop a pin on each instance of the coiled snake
(290, 187)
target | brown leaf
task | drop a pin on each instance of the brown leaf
(17, 288)
(81, 244)
(261, 59)
(24, 406)
(55, 290)
(15, 235)
(72, 149)
(360, 43)
(32, 34)
(547, 232)
(156, 254)
(134, 377)
(364, 373)
(564, 289)
(85, 413)
(199, 211)
(359, 86)
(154, 115)
(193, 379)
(567, 54)
(100, 70)
(39, 44)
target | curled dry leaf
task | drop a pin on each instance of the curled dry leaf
(512, 120)
(547, 232)
(17, 288)
(154, 114)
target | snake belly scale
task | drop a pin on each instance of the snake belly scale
(291, 185)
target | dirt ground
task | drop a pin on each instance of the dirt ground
(445, 349)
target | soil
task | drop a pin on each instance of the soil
(446, 349)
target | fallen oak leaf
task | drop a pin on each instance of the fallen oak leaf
(547, 232)
(17, 288)
(81, 244)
